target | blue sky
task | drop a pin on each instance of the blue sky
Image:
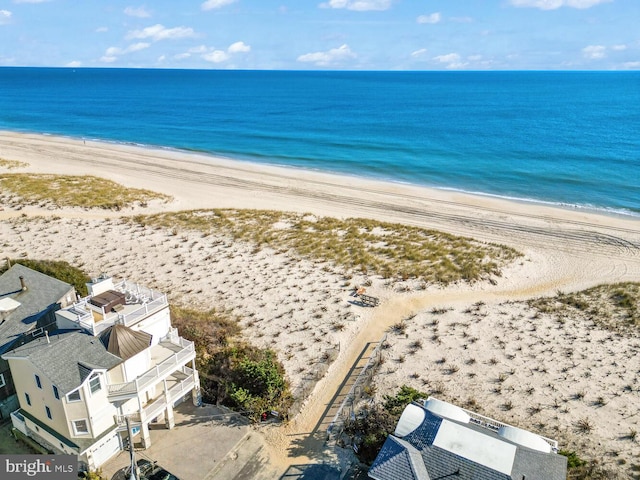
(323, 34)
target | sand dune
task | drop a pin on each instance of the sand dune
(302, 308)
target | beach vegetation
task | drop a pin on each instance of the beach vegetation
(615, 307)
(373, 424)
(58, 269)
(86, 191)
(233, 372)
(11, 164)
(386, 249)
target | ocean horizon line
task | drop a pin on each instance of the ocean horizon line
(549, 138)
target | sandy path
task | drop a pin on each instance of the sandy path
(564, 249)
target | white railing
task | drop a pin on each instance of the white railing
(134, 419)
(82, 310)
(157, 373)
(144, 310)
(18, 421)
(174, 393)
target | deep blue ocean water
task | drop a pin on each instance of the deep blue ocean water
(570, 138)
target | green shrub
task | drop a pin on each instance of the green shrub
(396, 404)
(233, 372)
(57, 269)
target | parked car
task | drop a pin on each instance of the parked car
(145, 467)
(161, 474)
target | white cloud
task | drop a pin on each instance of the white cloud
(239, 47)
(74, 64)
(419, 53)
(160, 32)
(594, 52)
(102, 29)
(112, 53)
(474, 58)
(358, 5)
(137, 46)
(139, 12)
(452, 60)
(619, 48)
(631, 65)
(198, 49)
(5, 17)
(213, 4)
(431, 18)
(216, 56)
(182, 56)
(330, 57)
(554, 4)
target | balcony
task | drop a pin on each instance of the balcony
(141, 302)
(178, 384)
(169, 356)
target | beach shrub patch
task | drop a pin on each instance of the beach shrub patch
(390, 250)
(58, 269)
(372, 426)
(75, 191)
(11, 164)
(615, 307)
(233, 372)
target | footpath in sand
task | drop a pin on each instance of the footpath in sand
(564, 250)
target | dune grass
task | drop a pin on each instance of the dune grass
(369, 246)
(10, 164)
(74, 191)
(615, 307)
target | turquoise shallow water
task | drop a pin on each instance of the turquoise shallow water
(569, 138)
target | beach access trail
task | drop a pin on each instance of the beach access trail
(564, 249)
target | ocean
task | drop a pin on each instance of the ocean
(564, 138)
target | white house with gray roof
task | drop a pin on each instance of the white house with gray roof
(438, 440)
(28, 302)
(114, 357)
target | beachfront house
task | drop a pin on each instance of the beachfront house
(28, 302)
(436, 439)
(113, 357)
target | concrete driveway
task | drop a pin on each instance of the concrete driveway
(194, 448)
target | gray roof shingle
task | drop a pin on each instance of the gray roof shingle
(42, 293)
(66, 358)
(397, 459)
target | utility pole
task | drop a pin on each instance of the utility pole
(135, 473)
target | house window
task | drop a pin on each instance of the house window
(48, 410)
(2, 381)
(27, 398)
(94, 384)
(80, 427)
(38, 383)
(56, 393)
(74, 396)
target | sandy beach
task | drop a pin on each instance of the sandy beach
(293, 305)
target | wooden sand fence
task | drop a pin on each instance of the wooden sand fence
(356, 393)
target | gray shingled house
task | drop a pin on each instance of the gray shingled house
(28, 302)
(438, 440)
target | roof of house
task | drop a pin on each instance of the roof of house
(66, 357)
(125, 342)
(430, 446)
(42, 292)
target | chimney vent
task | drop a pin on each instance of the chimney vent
(23, 285)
